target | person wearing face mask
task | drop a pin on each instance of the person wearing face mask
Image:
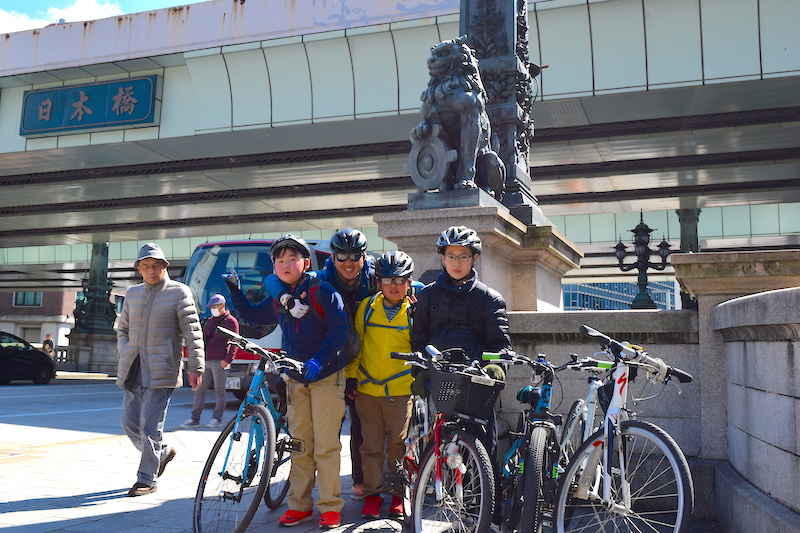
(219, 355)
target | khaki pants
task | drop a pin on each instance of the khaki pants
(315, 417)
(382, 420)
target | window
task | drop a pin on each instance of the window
(27, 299)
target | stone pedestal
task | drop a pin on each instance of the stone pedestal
(713, 278)
(524, 263)
(98, 352)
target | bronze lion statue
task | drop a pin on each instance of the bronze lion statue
(455, 126)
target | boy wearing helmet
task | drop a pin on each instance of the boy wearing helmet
(314, 411)
(352, 273)
(383, 394)
(459, 311)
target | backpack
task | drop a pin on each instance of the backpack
(353, 343)
(369, 379)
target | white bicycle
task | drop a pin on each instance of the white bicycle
(630, 475)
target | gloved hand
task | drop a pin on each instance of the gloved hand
(421, 383)
(350, 386)
(293, 305)
(495, 372)
(232, 280)
(312, 369)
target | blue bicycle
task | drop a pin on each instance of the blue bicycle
(530, 470)
(251, 458)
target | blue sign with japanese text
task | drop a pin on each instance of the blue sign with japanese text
(117, 103)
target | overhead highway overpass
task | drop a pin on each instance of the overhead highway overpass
(271, 119)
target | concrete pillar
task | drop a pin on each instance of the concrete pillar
(524, 263)
(713, 278)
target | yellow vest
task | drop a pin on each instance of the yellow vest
(379, 338)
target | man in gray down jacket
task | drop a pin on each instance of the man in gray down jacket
(156, 316)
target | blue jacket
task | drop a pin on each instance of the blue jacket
(350, 296)
(320, 337)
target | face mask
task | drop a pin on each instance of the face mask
(215, 312)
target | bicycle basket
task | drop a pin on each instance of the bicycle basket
(457, 392)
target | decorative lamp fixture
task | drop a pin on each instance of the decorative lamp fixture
(641, 246)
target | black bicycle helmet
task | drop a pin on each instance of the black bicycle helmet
(290, 241)
(348, 241)
(459, 236)
(394, 265)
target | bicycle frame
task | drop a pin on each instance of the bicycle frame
(589, 403)
(258, 394)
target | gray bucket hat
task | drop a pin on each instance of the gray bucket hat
(150, 249)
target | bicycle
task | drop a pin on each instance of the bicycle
(417, 438)
(539, 453)
(250, 459)
(454, 485)
(630, 475)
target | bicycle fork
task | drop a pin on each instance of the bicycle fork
(449, 456)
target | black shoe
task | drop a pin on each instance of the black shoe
(140, 489)
(165, 459)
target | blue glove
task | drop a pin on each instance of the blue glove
(311, 369)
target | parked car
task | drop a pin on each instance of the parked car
(19, 360)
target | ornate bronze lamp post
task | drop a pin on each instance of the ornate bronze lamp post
(641, 247)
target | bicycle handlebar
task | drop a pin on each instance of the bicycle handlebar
(629, 352)
(286, 365)
(438, 360)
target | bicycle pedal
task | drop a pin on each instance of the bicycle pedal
(295, 445)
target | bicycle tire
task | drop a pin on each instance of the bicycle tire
(468, 513)
(415, 451)
(279, 474)
(572, 436)
(511, 489)
(661, 488)
(542, 454)
(226, 500)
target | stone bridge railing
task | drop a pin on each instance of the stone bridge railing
(762, 352)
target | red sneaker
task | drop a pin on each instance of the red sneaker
(292, 518)
(396, 507)
(372, 506)
(330, 520)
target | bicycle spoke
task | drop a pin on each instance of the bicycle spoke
(233, 479)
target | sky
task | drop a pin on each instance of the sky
(20, 15)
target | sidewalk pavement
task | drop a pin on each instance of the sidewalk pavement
(77, 481)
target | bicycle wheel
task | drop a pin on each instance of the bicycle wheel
(465, 502)
(235, 474)
(572, 436)
(656, 480)
(511, 487)
(542, 454)
(281, 465)
(415, 448)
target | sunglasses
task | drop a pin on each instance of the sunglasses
(344, 257)
(396, 281)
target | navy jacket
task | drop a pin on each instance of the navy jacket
(350, 296)
(313, 336)
(471, 316)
